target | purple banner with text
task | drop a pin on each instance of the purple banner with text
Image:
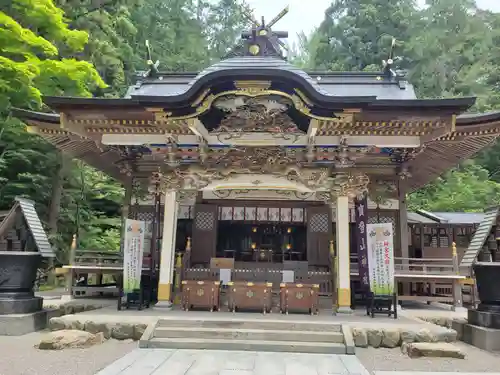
(361, 213)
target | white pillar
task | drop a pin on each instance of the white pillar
(343, 252)
(167, 254)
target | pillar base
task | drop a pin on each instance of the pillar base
(66, 297)
(163, 306)
(344, 310)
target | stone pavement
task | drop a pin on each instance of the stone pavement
(215, 362)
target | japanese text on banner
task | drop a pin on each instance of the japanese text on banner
(381, 258)
(133, 251)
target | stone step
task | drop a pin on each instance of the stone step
(249, 334)
(253, 324)
(264, 346)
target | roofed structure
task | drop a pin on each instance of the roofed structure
(368, 122)
(22, 230)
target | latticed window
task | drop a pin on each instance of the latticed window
(383, 219)
(463, 236)
(443, 238)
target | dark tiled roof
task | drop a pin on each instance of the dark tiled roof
(426, 217)
(414, 218)
(461, 217)
(27, 207)
(326, 83)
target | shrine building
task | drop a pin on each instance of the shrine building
(256, 160)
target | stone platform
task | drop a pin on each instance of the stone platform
(21, 324)
(481, 337)
(484, 319)
(178, 329)
(26, 305)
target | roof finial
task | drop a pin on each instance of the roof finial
(388, 64)
(261, 40)
(153, 67)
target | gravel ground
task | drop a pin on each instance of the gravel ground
(476, 360)
(19, 357)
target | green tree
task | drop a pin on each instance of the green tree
(37, 57)
(356, 35)
(466, 188)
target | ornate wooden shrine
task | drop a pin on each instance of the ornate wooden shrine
(255, 140)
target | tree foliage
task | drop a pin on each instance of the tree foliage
(90, 48)
(449, 48)
(95, 48)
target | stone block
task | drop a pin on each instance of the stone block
(350, 347)
(20, 306)
(69, 339)
(76, 324)
(94, 327)
(458, 326)
(425, 335)
(407, 335)
(78, 308)
(391, 338)
(21, 324)
(360, 337)
(375, 337)
(446, 335)
(57, 324)
(484, 319)
(139, 331)
(428, 349)
(122, 331)
(482, 337)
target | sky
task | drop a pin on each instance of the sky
(306, 15)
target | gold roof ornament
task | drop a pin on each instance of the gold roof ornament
(254, 49)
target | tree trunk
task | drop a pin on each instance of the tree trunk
(55, 200)
(55, 208)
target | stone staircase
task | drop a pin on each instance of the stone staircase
(249, 335)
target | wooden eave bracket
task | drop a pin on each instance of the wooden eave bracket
(198, 128)
(312, 131)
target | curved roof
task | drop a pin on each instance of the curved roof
(257, 63)
(323, 86)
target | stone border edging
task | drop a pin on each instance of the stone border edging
(350, 348)
(118, 331)
(71, 307)
(147, 335)
(392, 337)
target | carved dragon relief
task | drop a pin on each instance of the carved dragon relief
(273, 161)
(350, 184)
(267, 114)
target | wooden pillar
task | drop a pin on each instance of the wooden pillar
(457, 287)
(403, 233)
(70, 274)
(127, 201)
(167, 253)
(343, 256)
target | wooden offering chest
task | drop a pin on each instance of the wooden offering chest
(251, 296)
(200, 294)
(299, 297)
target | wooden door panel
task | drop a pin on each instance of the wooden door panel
(319, 229)
(204, 233)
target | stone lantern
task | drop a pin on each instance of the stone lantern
(23, 244)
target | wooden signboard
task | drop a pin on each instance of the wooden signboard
(222, 263)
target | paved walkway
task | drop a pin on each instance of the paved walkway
(215, 362)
